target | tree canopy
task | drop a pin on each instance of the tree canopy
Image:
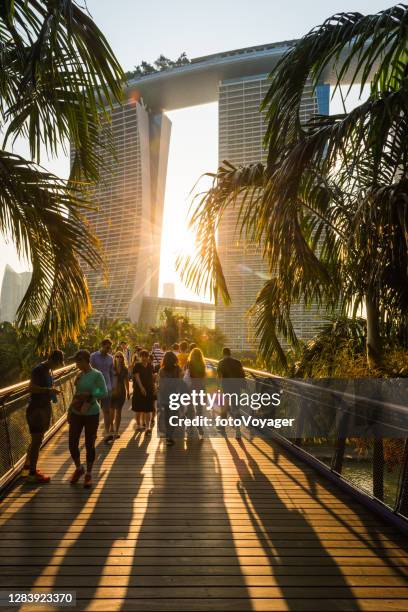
(58, 79)
(162, 63)
(330, 206)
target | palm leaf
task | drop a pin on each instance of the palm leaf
(60, 78)
(329, 209)
(44, 217)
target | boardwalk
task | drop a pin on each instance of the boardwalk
(218, 525)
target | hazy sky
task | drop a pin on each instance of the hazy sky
(140, 30)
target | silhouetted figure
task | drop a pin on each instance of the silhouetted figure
(38, 414)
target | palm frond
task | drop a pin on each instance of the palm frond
(329, 209)
(369, 49)
(44, 216)
(203, 271)
(59, 78)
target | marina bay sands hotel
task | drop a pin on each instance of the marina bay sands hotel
(129, 201)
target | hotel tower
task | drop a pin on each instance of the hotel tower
(128, 213)
(129, 197)
(241, 133)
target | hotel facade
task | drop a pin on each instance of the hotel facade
(128, 200)
(241, 134)
(128, 212)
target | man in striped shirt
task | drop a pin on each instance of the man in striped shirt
(157, 356)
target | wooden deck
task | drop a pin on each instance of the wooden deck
(217, 525)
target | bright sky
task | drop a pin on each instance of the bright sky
(140, 30)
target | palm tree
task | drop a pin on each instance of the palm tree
(17, 353)
(58, 74)
(330, 206)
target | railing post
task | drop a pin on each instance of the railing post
(402, 499)
(337, 460)
(301, 417)
(341, 437)
(7, 432)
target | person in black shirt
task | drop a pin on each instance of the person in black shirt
(143, 393)
(169, 378)
(230, 373)
(228, 367)
(42, 393)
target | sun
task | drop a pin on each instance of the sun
(186, 241)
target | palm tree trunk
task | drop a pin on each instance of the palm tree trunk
(402, 502)
(374, 344)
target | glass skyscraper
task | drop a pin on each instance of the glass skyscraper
(128, 211)
(128, 200)
(241, 132)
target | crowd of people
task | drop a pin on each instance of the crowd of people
(103, 385)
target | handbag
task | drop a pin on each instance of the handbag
(79, 404)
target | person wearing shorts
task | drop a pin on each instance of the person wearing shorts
(38, 414)
(143, 392)
(102, 360)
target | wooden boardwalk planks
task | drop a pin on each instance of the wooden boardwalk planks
(218, 525)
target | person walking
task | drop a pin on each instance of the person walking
(169, 379)
(125, 349)
(195, 378)
(83, 413)
(183, 355)
(120, 390)
(157, 356)
(154, 413)
(136, 355)
(231, 375)
(102, 360)
(38, 413)
(143, 392)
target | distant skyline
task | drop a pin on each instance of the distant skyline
(136, 34)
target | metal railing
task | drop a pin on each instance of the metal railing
(14, 433)
(374, 469)
(373, 466)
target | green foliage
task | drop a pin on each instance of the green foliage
(58, 75)
(176, 327)
(330, 207)
(339, 351)
(17, 353)
(162, 63)
(115, 329)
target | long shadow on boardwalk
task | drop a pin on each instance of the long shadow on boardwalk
(107, 541)
(67, 538)
(200, 526)
(37, 520)
(369, 532)
(186, 554)
(273, 521)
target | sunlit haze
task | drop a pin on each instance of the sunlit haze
(198, 29)
(193, 150)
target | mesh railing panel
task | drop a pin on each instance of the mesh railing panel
(329, 414)
(14, 433)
